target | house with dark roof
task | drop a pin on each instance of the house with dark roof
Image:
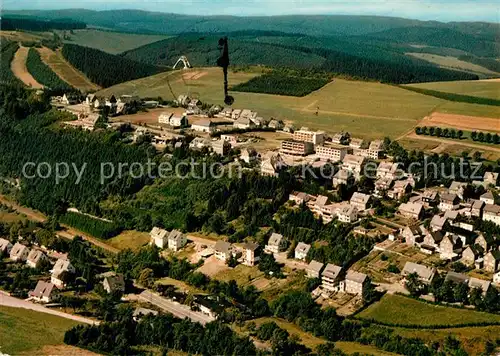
(114, 282)
(330, 277)
(251, 254)
(44, 292)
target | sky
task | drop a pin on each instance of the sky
(440, 10)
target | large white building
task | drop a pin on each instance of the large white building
(304, 134)
(333, 153)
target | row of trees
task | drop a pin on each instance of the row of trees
(486, 137)
(28, 23)
(106, 69)
(439, 132)
(7, 51)
(42, 72)
(281, 84)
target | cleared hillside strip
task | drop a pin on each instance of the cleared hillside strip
(43, 74)
(66, 71)
(7, 51)
(20, 70)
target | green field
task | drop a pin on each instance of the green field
(454, 63)
(23, 330)
(486, 89)
(133, 240)
(111, 42)
(396, 309)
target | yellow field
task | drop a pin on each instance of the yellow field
(66, 71)
(133, 240)
(21, 36)
(453, 63)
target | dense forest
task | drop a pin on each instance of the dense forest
(93, 226)
(12, 23)
(7, 51)
(355, 59)
(280, 84)
(42, 72)
(489, 63)
(106, 69)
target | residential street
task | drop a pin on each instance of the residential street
(8, 301)
(179, 310)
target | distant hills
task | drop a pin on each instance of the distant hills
(313, 25)
(363, 47)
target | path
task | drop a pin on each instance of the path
(8, 301)
(356, 115)
(18, 67)
(179, 310)
(69, 232)
(65, 71)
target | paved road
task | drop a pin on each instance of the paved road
(8, 301)
(179, 310)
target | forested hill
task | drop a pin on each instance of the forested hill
(106, 69)
(356, 60)
(315, 25)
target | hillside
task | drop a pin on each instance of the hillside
(109, 41)
(484, 89)
(356, 60)
(106, 69)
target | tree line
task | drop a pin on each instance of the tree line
(95, 227)
(454, 97)
(28, 23)
(43, 74)
(106, 69)
(486, 137)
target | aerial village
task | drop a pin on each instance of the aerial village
(433, 230)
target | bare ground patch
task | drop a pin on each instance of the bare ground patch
(19, 69)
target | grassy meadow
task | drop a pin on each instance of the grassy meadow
(111, 42)
(28, 331)
(133, 240)
(484, 89)
(396, 309)
(454, 63)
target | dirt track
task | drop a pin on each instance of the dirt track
(18, 67)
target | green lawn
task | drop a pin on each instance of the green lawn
(401, 310)
(23, 330)
(111, 42)
(485, 89)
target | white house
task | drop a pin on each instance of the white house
(19, 252)
(348, 214)
(35, 258)
(159, 237)
(488, 198)
(43, 293)
(203, 125)
(491, 213)
(61, 267)
(301, 251)
(176, 240)
(5, 247)
(276, 243)
(360, 200)
(223, 250)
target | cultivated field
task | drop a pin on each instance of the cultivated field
(66, 71)
(341, 105)
(462, 122)
(396, 309)
(21, 36)
(454, 63)
(28, 331)
(108, 41)
(480, 88)
(18, 67)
